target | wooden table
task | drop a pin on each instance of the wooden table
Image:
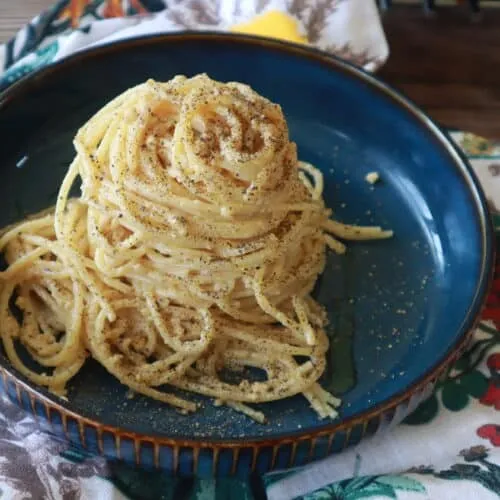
(447, 64)
(14, 13)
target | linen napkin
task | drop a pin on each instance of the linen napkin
(349, 28)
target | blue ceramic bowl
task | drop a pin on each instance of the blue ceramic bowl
(401, 310)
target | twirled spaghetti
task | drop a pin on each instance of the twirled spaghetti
(190, 254)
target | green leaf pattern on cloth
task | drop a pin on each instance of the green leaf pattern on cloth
(367, 487)
(464, 383)
(38, 59)
(477, 468)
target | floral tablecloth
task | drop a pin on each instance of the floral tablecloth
(449, 448)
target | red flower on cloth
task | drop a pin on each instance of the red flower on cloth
(491, 432)
(112, 8)
(492, 395)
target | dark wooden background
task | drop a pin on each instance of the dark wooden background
(448, 64)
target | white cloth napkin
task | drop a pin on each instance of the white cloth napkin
(349, 28)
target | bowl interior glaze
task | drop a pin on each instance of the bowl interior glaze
(397, 307)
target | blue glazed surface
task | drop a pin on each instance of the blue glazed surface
(397, 307)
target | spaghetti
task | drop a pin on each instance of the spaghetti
(190, 253)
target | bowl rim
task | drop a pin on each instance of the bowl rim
(463, 167)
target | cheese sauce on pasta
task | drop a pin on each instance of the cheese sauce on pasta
(191, 252)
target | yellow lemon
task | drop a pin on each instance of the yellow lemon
(274, 24)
